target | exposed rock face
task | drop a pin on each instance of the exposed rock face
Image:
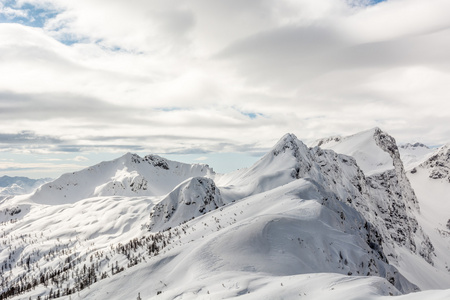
(157, 161)
(388, 201)
(395, 200)
(388, 144)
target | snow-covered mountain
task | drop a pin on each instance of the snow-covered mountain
(341, 220)
(411, 218)
(129, 175)
(11, 186)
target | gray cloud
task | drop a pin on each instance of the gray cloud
(293, 55)
(27, 137)
(104, 147)
(59, 105)
(26, 141)
(285, 55)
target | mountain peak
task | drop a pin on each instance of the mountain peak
(288, 141)
(128, 175)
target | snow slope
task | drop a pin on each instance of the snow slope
(430, 180)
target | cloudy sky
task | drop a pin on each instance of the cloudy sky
(214, 81)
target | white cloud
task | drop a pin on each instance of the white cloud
(11, 13)
(14, 167)
(50, 159)
(181, 73)
(80, 158)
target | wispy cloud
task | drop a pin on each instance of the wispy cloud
(80, 158)
(201, 158)
(27, 137)
(9, 13)
(50, 159)
(15, 166)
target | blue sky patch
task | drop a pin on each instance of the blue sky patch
(374, 2)
(252, 115)
(26, 14)
(167, 109)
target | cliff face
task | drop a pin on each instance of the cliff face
(390, 201)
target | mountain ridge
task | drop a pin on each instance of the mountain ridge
(17, 185)
(298, 211)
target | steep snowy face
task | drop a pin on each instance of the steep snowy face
(438, 165)
(377, 154)
(431, 183)
(364, 147)
(192, 198)
(129, 175)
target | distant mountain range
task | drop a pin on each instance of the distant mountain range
(353, 217)
(11, 186)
